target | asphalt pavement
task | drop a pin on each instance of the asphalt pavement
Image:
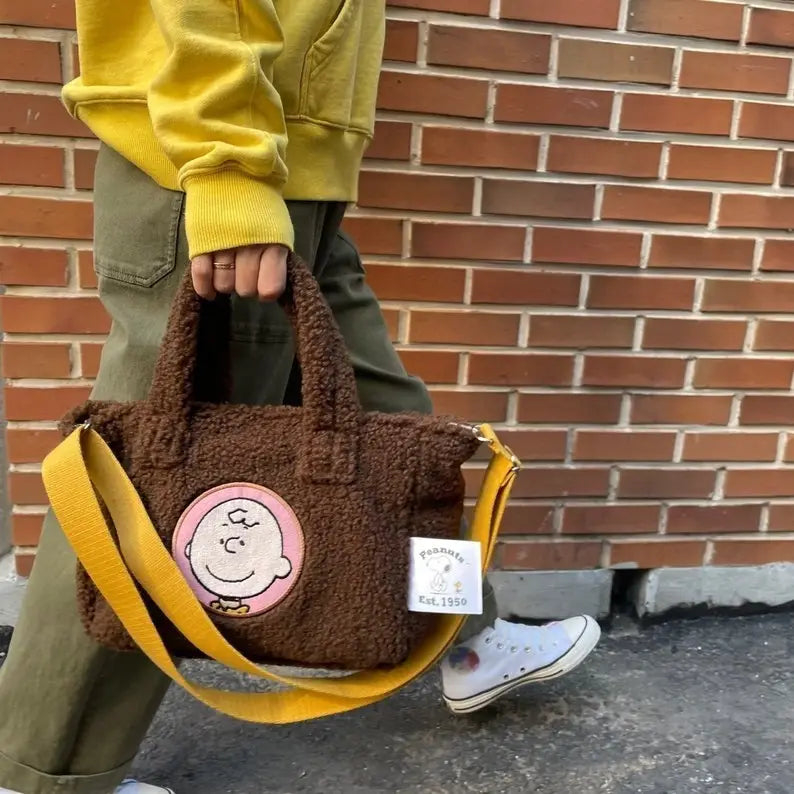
(679, 708)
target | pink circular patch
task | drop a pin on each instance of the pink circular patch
(240, 548)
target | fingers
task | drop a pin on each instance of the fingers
(251, 271)
(223, 270)
(247, 270)
(272, 272)
(201, 272)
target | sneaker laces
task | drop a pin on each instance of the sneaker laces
(519, 637)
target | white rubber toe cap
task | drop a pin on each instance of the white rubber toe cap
(582, 627)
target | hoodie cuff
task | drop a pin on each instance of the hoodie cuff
(228, 209)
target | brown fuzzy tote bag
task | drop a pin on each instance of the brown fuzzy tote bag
(283, 532)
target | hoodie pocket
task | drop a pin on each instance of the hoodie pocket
(339, 84)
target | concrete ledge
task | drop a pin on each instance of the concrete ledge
(667, 589)
(550, 595)
(531, 595)
(11, 590)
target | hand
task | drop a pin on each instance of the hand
(250, 271)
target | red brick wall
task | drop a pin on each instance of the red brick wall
(576, 214)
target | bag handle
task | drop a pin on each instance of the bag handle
(83, 462)
(331, 409)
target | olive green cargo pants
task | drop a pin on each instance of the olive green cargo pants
(72, 714)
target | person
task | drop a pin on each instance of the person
(231, 133)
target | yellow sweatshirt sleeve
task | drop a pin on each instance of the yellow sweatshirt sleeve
(219, 120)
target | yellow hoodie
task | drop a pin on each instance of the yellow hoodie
(218, 97)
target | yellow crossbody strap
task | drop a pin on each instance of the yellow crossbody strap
(84, 461)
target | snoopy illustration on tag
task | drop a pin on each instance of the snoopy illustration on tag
(240, 548)
(440, 565)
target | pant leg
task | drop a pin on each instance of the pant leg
(476, 623)
(72, 713)
(383, 384)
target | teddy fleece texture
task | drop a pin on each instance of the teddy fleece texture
(361, 485)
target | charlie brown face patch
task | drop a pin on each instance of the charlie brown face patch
(240, 548)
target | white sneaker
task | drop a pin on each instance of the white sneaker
(127, 787)
(134, 787)
(509, 655)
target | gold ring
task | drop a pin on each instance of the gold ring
(223, 265)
